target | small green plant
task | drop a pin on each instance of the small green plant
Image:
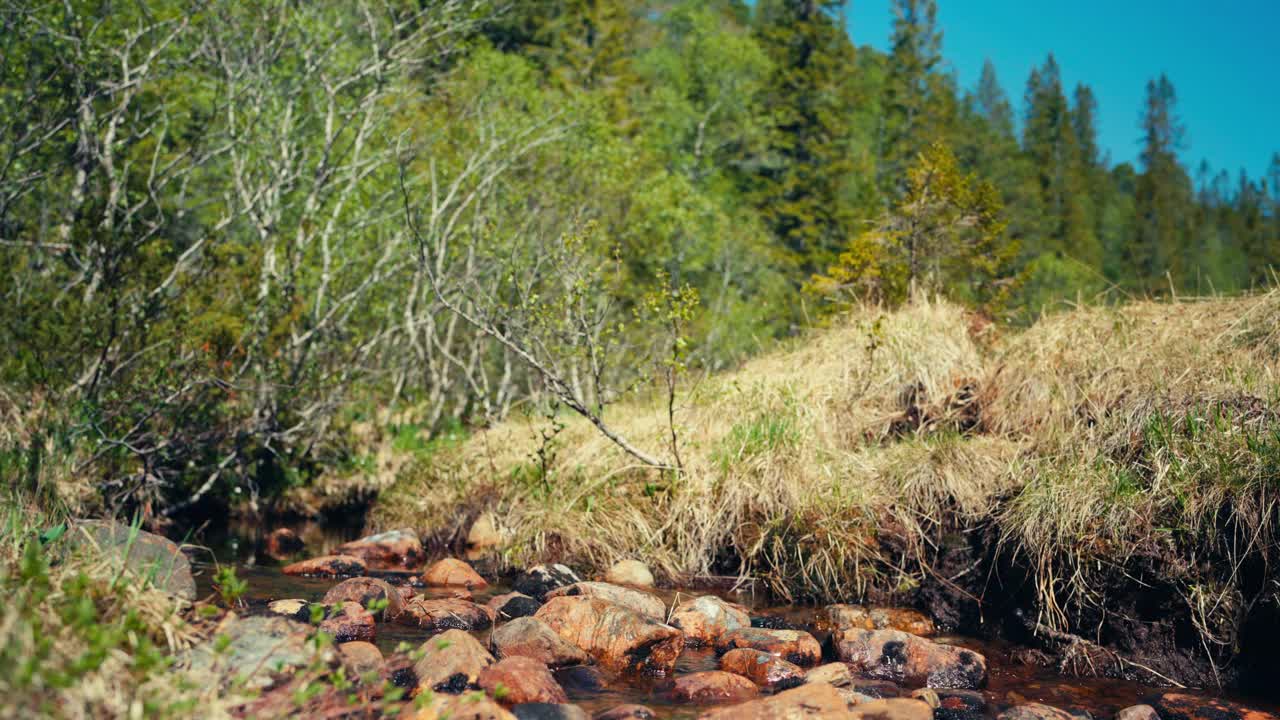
(230, 587)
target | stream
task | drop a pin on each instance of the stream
(1010, 682)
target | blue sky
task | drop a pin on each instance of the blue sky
(1223, 58)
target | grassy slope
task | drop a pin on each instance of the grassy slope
(1093, 438)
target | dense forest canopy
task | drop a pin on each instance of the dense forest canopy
(229, 229)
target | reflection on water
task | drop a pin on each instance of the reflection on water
(1010, 682)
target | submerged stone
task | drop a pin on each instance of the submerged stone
(762, 668)
(327, 566)
(713, 686)
(905, 658)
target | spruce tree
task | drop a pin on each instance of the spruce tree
(1163, 193)
(909, 122)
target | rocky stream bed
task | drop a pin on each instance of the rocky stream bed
(550, 643)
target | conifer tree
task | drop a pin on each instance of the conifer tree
(801, 190)
(1163, 193)
(909, 124)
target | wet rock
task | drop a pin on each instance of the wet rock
(877, 689)
(773, 622)
(762, 668)
(539, 580)
(626, 712)
(517, 680)
(256, 649)
(816, 700)
(549, 711)
(950, 704)
(617, 637)
(327, 566)
(513, 605)
(360, 658)
(1184, 706)
(836, 673)
(366, 591)
(892, 709)
(530, 637)
(137, 552)
(349, 622)
(392, 550)
(1037, 711)
(794, 646)
(472, 706)
(283, 543)
(1138, 712)
(299, 610)
(904, 658)
(484, 533)
(582, 678)
(839, 618)
(713, 686)
(436, 614)
(451, 572)
(704, 619)
(630, 572)
(397, 670)
(641, 602)
(451, 662)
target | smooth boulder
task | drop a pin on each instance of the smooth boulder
(139, 553)
(327, 566)
(517, 680)
(451, 662)
(513, 605)
(713, 687)
(630, 572)
(617, 637)
(539, 580)
(1040, 711)
(907, 659)
(704, 619)
(836, 673)
(366, 591)
(349, 621)
(815, 700)
(839, 618)
(530, 637)
(258, 650)
(436, 614)
(762, 668)
(627, 712)
(642, 602)
(391, 550)
(794, 646)
(1185, 706)
(452, 572)
(361, 658)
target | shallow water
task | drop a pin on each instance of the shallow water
(1009, 682)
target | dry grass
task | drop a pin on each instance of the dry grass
(830, 468)
(794, 464)
(77, 640)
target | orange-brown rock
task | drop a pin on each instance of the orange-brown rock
(904, 658)
(530, 637)
(513, 605)
(283, 543)
(451, 662)
(360, 658)
(436, 614)
(1184, 706)
(1039, 711)
(516, 680)
(713, 686)
(367, 591)
(452, 572)
(617, 637)
(794, 646)
(704, 619)
(472, 706)
(838, 618)
(952, 704)
(1138, 712)
(892, 709)
(392, 550)
(762, 668)
(327, 566)
(836, 673)
(642, 602)
(815, 700)
(349, 622)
